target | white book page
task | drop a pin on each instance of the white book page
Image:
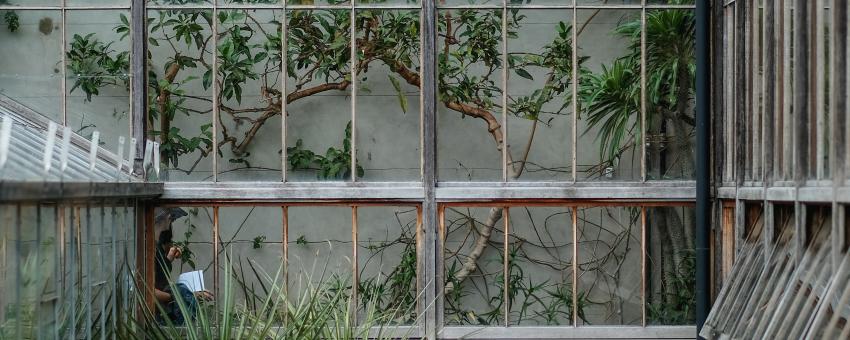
(193, 280)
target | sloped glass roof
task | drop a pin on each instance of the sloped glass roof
(27, 147)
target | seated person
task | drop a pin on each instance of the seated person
(167, 292)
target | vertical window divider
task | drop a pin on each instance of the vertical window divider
(575, 76)
(37, 273)
(433, 295)
(575, 262)
(284, 39)
(504, 125)
(355, 277)
(86, 268)
(353, 62)
(643, 127)
(138, 74)
(216, 250)
(643, 265)
(59, 219)
(506, 265)
(18, 271)
(63, 69)
(818, 95)
(215, 92)
(285, 255)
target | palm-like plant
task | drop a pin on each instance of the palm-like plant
(612, 101)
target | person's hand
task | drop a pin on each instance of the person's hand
(204, 295)
(173, 253)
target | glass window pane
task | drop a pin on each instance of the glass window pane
(248, 3)
(192, 234)
(180, 93)
(318, 85)
(251, 240)
(387, 264)
(609, 266)
(320, 250)
(388, 104)
(249, 67)
(540, 118)
(469, 84)
(609, 140)
(670, 93)
(341, 3)
(31, 72)
(97, 59)
(671, 266)
(540, 266)
(473, 261)
(607, 2)
(179, 2)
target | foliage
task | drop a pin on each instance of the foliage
(321, 310)
(612, 98)
(96, 65)
(469, 64)
(12, 21)
(334, 164)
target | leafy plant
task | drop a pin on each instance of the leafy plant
(334, 164)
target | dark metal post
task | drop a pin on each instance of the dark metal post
(703, 208)
(138, 86)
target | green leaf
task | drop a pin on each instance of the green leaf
(523, 73)
(402, 99)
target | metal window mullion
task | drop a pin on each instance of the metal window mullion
(643, 127)
(757, 89)
(59, 268)
(37, 274)
(284, 39)
(353, 62)
(285, 255)
(575, 264)
(354, 267)
(85, 278)
(504, 75)
(643, 266)
(575, 75)
(216, 250)
(112, 285)
(108, 276)
(819, 95)
(215, 90)
(506, 266)
(72, 287)
(18, 272)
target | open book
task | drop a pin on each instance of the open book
(193, 280)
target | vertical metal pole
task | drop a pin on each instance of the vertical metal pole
(643, 127)
(354, 266)
(506, 275)
(703, 200)
(575, 265)
(86, 279)
(283, 95)
(504, 76)
(138, 80)
(575, 75)
(215, 92)
(37, 273)
(433, 314)
(353, 63)
(18, 273)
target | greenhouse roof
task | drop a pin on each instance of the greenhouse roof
(28, 144)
